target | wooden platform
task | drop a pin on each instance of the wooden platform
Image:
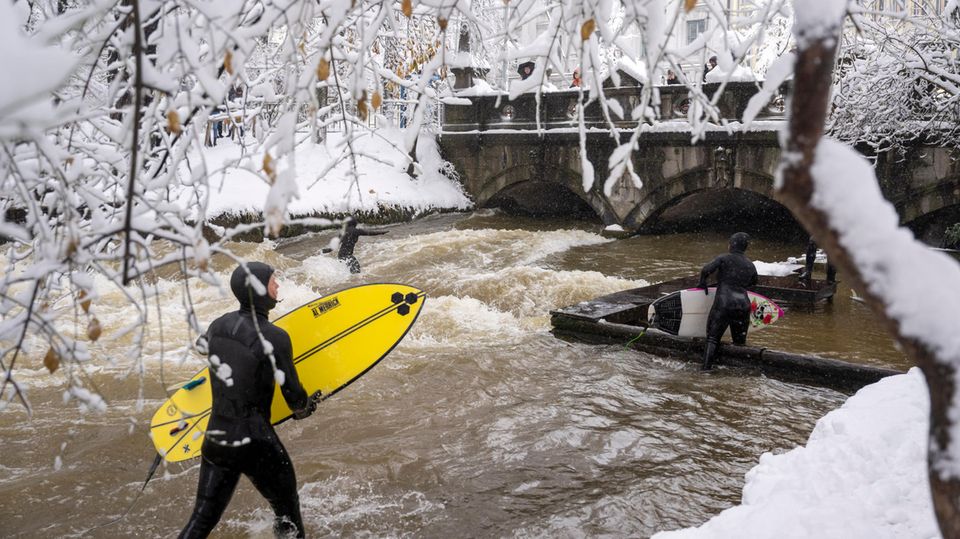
(630, 306)
(622, 317)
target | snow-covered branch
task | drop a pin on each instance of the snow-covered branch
(897, 81)
(103, 178)
(833, 192)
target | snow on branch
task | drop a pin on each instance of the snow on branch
(897, 82)
(103, 178)
(833, 192)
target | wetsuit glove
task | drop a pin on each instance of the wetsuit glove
(311, 407)
(202, 346)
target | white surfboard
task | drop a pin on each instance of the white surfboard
(684, 313)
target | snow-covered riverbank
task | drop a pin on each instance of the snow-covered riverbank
(325, 183)
(863, 473)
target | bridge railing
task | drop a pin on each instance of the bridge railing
(558, 110)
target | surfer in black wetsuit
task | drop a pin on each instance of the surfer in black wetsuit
(810, 259)
(348, 241)
(239, 437)
(731, 308)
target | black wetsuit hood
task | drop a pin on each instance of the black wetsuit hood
(739, 242)
(247, 295)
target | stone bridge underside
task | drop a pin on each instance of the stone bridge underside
(542, 175)
(723, 178)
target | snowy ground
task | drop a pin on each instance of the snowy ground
(862, 474)
(237, 186)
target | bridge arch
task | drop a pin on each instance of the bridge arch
(728, 210)
(658, 197)
(931, 226)
(496, 145)
(698, 198)
(539, 190)
(928, 199)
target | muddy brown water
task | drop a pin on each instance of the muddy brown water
(479, 424)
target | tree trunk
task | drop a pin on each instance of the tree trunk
(808, 109)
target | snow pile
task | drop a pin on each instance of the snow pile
(480, 87)
(862, 474)
(637, 70)
(820, 258)
(236, 187)
(737, 73)
(776, 268)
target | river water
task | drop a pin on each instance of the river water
(479, 424)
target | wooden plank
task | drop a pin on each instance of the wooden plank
(787, 289)
(785, 366)
(630, 306)
(621, 313)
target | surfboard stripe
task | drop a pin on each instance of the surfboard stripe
(186, 417)
(372, 318)
(292, 311)
(372, 365)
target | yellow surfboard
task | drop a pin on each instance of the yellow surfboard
(336, 339)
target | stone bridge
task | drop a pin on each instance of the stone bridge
(512, 155)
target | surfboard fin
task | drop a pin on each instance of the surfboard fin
(153, 470)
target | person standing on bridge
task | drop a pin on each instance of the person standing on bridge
(731, 307)
(526, 69)
(710, 66)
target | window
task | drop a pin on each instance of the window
(695, 28)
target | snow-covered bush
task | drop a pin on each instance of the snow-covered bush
(897, 82)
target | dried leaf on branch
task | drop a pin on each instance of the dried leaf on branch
(173, 122)
(51, 360)
(587, 29)
(94, 329)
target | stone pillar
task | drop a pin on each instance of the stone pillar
(464, 76)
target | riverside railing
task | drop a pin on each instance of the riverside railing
(559, 109)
